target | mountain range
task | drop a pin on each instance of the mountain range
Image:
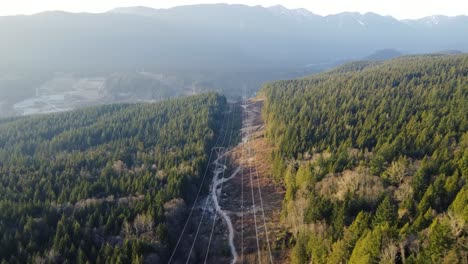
(215, 36)
(55, 61)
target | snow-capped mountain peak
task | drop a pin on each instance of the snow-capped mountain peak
(297, 14)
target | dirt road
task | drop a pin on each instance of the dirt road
(239, 221)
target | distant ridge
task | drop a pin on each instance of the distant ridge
(383, 54)
(135, 10)
(449, 52)
(215, 36)
(297, 14)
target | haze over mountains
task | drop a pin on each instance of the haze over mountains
(212, 36)
(140, 53)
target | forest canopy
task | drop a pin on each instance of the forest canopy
(106, 184)
(374, 156)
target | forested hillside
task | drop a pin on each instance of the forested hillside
(375, 160)
(106, 184)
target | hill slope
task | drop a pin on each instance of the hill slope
(109, 183)
(374, 157)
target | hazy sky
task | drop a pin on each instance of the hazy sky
(398, 8)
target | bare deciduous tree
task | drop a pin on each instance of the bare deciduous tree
(388, 254)
(396, 172)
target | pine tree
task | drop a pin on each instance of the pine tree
(459, 206)
(81, 257)
(386, 213)
(367, 248)
(299, 252)
(339, 253)
(440, 240)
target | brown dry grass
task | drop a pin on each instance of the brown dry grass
(254, 156)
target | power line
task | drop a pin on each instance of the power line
(263, 211)
(221, 191)
(242, 195)
(206, 203)
(242, 168)
(198, 193)
(253, 204)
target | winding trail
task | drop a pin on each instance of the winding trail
(244, 221)
(215, 192)
(198, 194)
(214, 196)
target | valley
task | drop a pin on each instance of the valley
(258, 226)
(232, 133)
(308, 183)
(65, 91)
(365, 161)
(239, 221)
(140, 54)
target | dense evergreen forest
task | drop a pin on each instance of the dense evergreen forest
(107, 184)
(375, 160)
